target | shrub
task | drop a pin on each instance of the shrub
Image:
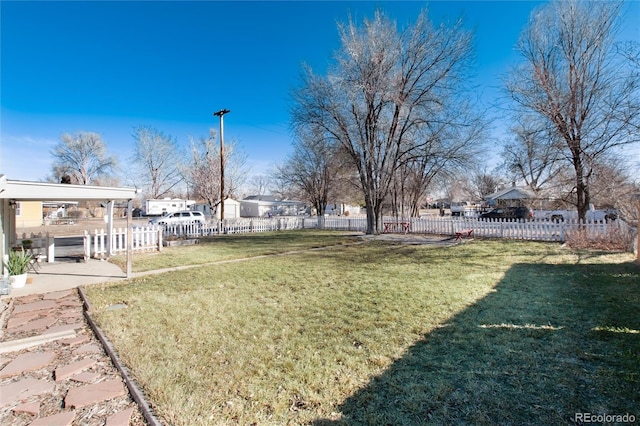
(613, 240)
(18, 262)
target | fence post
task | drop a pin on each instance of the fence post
(51, 251)
(97, 242)
(159, 238)
(87, 245)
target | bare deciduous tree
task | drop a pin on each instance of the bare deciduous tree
(534, 156)
(203, 171)
(81, 158)
(158, 160)
(385, 87)
(314, 168)
(480, 183)
(613, 186)
(450, 142)
(573, 78)
(260, 184)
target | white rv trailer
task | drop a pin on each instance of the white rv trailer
(165, 206)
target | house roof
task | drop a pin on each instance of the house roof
(231, 201)
(272, 203)
(511, 193)
(271, 198)
(42, 191)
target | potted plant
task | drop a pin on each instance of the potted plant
(27, 244)
(17, 267)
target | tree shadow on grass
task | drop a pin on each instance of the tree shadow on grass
(549, 342)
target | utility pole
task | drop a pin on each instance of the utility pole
(220, 114)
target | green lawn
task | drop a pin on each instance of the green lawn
(481, 333)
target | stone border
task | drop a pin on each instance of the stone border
(134, 390)
(176, 243)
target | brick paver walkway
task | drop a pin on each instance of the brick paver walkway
(53, 370)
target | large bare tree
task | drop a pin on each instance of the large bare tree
(573, 77)
(385, 87)
(80, 158)
(158, 160)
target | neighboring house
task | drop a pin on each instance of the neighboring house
(52, 210)
(270, 205)
(513, 196)
(232, 209)
(28, 213)
(204, 208)
(341, 209)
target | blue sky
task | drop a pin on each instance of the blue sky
(108, 67)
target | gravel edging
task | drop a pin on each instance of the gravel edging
(134, 390)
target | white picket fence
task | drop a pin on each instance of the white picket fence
(150, 238)
(241, 226)
(143, 238)
(493, 228)
(498, 228)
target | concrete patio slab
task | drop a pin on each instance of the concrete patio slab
(57, 277)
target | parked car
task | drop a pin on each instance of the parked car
(508, 213)
(180, 218)
(593, 215)
(465, 209)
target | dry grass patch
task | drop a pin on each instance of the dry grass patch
(236, 246)
(488, 332)
(614, 239)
